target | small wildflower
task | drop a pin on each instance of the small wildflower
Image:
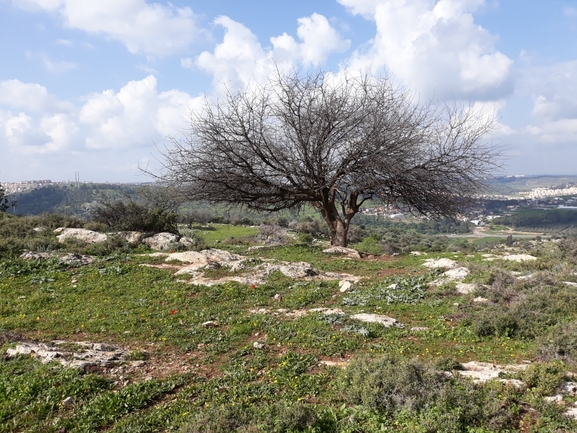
(173, 312)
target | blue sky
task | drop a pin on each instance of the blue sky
(96, 86)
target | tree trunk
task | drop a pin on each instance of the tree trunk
(337, 227)
(339, 235)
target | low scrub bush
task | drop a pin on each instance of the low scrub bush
(543, 378)
(369, 245)
(131, 216)
(559, 343)
(34, 233)
(281, 417)
(272, 234)
(401, 388)
(525, 309)
(315, 227)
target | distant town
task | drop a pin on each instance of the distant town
(560, 196)
(28, 185)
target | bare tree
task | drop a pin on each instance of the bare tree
(333, 142)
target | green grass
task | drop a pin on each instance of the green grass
(213, 378)
(221, 232)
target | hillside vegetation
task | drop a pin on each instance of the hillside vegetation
(273, 341)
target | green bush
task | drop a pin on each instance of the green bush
(543, 378)
(281, 417)
(401, 388)
(34, 233)
(559, 343)
(526, 308)
(131, 216)
(369, 245)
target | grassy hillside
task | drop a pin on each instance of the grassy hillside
(287, 354)
(512, 185)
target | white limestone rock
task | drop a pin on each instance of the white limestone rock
(207, 258)
(440, 263)
(161, 241)
(377, 318)
(482, 372)
(349, 252)
(83, 235)
(345, 286)
(466, 288)
(132, 237)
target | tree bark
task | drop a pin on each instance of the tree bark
(339, 236)
(338, 227)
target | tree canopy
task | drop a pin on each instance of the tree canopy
(3, 199)
(333, 141)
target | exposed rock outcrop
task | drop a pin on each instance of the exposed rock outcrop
(81, 354)
(70, 259)
(161, 241)
(83, 235)
(349, 252)
(212, 258)
(386, 321)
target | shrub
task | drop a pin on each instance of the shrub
(314, 227)
(527, 309)
(270, 234)
(305, 238)
(369, 245)
(440, 402)
(559, 343)
(544, 378)
(131, 216)
(33, 233)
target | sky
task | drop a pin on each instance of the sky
(96, 87)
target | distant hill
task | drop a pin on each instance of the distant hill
(69, 199)
(514, 184)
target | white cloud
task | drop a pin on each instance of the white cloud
(57, 66)
(319, 40)
(241, 58)
(33, 122)
(435, 47)
(20, 131)
(28, 135)
(366, 8)
(30, 96)
(554, 90)
(136, 115)
(149, 28)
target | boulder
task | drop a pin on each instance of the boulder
(465, 288)
(292, 270)
(70, 259)
(345, 286)
(187, 242)
(518, 257)
(86, 355)
(440, 263)
(83, 235)
(482, 372)
(349, 252)
(161, 241)
(377, 318)
(456, 274)
(207, 258)
(130, 236)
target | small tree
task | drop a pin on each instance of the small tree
(333, 143)
(4, 202)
